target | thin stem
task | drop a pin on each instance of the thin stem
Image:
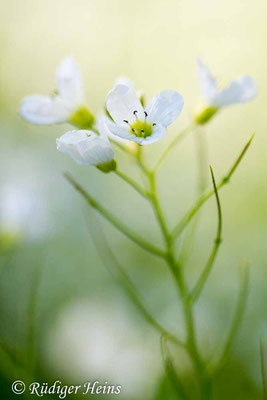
(238, 315)
(263, 370)
(182, 289)
(32, 331)
(114, 221)
(205, 273)
(157, 208)
(190, 214)
(177, 139)
(140, 161)
(170, 370)
(202, 161)
(134, 184)
(113, 265)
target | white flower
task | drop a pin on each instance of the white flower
(239, 90)
(44, 110)
(133, 122)
(86, 147)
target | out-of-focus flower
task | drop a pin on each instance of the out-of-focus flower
(240, 90)
(66, 105)
(22, 214)
(133, 122)
(100, 341)
(88, 148)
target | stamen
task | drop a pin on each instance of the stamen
(125, 120)
(135, 112)
(133, 130)
(145, 113)
(142, 131)
(154, 124)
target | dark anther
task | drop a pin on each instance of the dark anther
(154, 124)
(145, 113)
(125, 120)
(142, 131)
(133, 130)
(135, 112)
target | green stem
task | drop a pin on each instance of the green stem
(263, 370)
(201, 155)
(238, 315)
(157, 208)
(177, 139)
(132, 183)
(190, 214)
(170, 370)
(112, 263)
(205, 273)
(183, 291)
(32, 316)
(140, 161)
(114, 221)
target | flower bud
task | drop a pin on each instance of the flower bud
(82, 118)
(107, 166)
(206, 115)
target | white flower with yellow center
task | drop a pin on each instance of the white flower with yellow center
(88, 148)
(240, 90)
(65, 106)
(133, 122)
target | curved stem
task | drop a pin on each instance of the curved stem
(183, 292)
(177, 139)
(202, 162)
(140, 161)
(205, 273)
(157, 208)
(190, 214)
(113, 265)
(263, 370)
(170, 370)
(114, 221)
(238, 315)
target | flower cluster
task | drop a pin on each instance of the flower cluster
(128, 118)
(125, 119)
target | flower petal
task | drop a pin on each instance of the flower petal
(240, 90)
(69, 82)
(207, 82)
(104, 129)
(165, 107)
(125, 81)
(121, 103)
(43, 110)
(85, 147)
(120, 131)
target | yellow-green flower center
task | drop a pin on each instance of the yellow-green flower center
(141, 129)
